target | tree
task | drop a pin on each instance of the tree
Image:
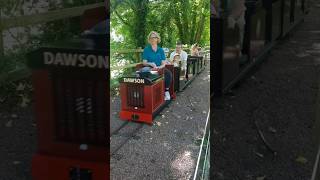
(132, 17)
(174, 19)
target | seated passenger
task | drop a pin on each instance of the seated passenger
(176, 60)
(183, 56)
(194, 51)
(154, 56)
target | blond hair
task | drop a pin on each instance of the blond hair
(155, 33)
(194, 46)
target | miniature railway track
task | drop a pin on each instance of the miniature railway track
(130, 135)
(119, 128)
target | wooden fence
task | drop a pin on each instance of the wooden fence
(138, 52)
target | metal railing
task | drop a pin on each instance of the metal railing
(203, 163)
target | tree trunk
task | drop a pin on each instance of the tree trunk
(193, 26)
(139, 32)
(179, 25)
(201, 24)
(184, 9)
(200, 29)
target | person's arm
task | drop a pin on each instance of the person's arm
(163, 60)
(172, 56)
(184, 56)
(163, 64)
(192, 51)
(146, 63)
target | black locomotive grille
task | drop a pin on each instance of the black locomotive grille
(80, 110)
(135, 95)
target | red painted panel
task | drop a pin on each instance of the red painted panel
(45, 167)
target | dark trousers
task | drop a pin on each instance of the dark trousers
(167, 78)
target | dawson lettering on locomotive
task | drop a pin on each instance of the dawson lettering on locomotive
(133, 80)
(76, 60)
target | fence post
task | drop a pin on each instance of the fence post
(138, 55)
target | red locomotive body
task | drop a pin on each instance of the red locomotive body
(140, 101)
(143, 98)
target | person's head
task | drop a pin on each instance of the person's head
(176, 57)
(154, 38)
(194, 46)
(178, 47)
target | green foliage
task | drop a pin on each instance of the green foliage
(174, 19)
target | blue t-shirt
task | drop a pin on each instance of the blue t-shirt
(153, 57)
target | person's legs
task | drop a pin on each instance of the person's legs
(167, 83)
(167, 78)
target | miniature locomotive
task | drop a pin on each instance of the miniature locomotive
(142, 95)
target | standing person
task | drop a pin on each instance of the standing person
(154, 56)
(182, 54)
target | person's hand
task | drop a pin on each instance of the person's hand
(153, 65)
